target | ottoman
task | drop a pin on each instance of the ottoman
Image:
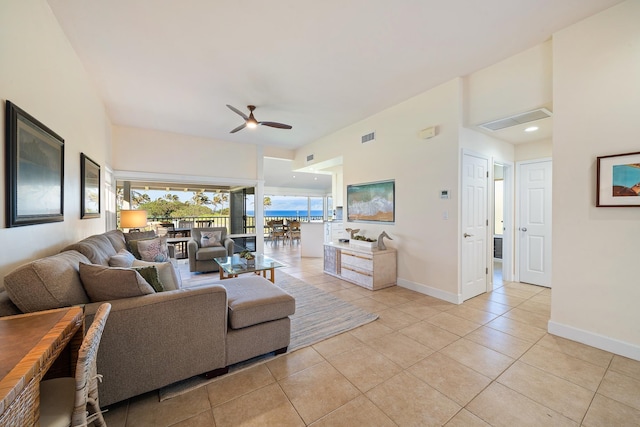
(258, 318)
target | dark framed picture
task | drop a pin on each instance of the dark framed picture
(371, 202)
(89, 188)
(34, 170)
(618, 181)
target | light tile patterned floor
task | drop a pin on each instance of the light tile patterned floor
(487, 362)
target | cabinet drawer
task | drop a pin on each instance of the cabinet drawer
(358, 277)
(360, 261)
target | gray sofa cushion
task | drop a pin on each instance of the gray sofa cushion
(7, 307)
(117, 239)
(253, 300)
(98, 249)
(208, 254)
(46, 283)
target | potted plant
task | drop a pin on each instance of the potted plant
(248, 257)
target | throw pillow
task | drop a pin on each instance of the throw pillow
(123, 258)
(169, 277)
(133, 245)
(154, 250)
(110, 283)
(210, 238)
(151, 275)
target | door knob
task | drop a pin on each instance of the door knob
(524, 228)
(467, 235)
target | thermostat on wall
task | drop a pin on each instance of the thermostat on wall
(444, 194)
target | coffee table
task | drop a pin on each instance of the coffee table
(232, 266)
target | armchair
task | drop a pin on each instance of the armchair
(200, 255)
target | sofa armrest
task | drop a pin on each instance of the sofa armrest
(192, 248)
(228, 244)
(155, 340)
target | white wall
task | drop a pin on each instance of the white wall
(41, 74)
(427, 245)
(596, 280)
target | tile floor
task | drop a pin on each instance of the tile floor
(487, 362)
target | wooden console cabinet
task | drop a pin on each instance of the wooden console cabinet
(370, 268)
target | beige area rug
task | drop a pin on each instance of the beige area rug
(319, 315)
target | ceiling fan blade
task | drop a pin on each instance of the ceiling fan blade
(242, 126)
(275, 125)
(240, 113)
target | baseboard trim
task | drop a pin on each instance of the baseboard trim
(602, 342)
(432, 292)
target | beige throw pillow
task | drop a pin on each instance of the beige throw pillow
(110, 283)
(154, 250)
(210, 238)
(169, 277)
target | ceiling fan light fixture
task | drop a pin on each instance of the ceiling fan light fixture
(251, 122)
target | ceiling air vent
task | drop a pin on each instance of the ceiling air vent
(309, 157)
(518, 119)
(368, 137)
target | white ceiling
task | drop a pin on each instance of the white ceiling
(316, 65)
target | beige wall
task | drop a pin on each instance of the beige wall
(427, 244)
(533, 150)
(596, 283)
(175, 154)
(42, 75)
(517, 84)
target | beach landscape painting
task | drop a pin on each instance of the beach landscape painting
(619, 180)
(374, 201)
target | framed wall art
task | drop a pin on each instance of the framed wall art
(89, 188)
(371, 202)
(618, 180)
(34, 156)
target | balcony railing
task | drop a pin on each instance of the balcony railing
(225, 221)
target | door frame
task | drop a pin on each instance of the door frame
(517, 211)
(488, 247)
(508, 216)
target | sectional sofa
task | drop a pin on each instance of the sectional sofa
(156, 338)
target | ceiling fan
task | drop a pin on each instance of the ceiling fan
(251, 121)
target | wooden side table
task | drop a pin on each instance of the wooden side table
(29, 346)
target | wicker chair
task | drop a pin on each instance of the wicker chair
(293, 233)
(74, 401)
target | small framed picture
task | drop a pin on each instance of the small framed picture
(89, 188)
(618, 181)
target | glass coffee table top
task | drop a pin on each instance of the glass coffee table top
(235, 265)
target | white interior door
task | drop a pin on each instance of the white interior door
(534, 229)
(475, 225)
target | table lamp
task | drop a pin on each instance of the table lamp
(133, 219)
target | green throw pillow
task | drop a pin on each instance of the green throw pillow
(150, 274)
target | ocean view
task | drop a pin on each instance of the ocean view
(287, 213)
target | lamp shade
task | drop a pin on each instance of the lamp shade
(133, 219)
